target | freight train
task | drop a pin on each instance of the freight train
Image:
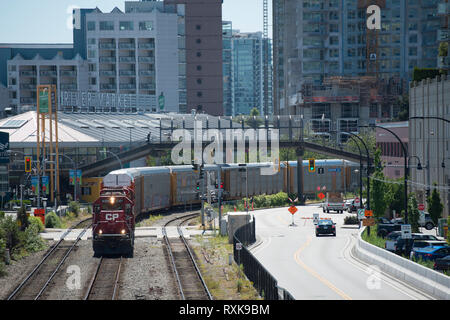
(126, 193)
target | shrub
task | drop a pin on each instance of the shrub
(37, 222)
(2, 215)
(9, 230)
(351, 220)
(52, 220)
(22, 218)
(2, 257)
(31, 240)
(74, 207)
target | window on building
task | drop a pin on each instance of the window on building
(106, 25)
(199, 94)
(334, 27)
(412, 51)
(199, 81)
(334, 53)
(199, 54)
(334, 40)
(126, 25)
(92, 41)
(198, 27)
(198, 41)
(92, 67)
(199, 68)
(146, 25)
(91, 25)
(91, 54)
(413, 38)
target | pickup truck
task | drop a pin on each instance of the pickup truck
(385, 227)
(334, 202)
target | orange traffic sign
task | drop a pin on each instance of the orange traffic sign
(321, 196)
(368, 213)
(292, 209)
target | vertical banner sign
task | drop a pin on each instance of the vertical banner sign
(161, 101)
(4, 147)
(34, 184)
(79, 177)
(72, 177)
(43, 101)
(45, 185)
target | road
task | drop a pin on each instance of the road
(321, 268)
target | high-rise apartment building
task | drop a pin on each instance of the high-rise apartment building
(157, 55)
(243, 65)
(318, 38)
(203, 47)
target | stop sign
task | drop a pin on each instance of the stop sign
(356, 200)
(421, 207)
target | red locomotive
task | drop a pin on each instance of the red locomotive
(114, 221)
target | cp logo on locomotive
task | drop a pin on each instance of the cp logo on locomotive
(111, 216)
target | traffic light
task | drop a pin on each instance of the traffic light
(198, 186)
(312, 165)
(195, 167)
(27, 164)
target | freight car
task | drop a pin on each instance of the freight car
(126, 193)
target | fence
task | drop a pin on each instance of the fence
(263, 281)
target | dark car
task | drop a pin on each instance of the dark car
(400, 244)
(442, 264)
(432, 253)
(385, 226)
(325, 227)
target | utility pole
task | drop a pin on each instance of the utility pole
(202, 188)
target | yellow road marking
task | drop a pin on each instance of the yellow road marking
(315, 274)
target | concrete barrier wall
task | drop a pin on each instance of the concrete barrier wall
(423, 278)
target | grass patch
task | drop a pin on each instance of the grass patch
(373, 238)
(224, 281)
(150, 221)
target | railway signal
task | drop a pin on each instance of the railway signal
(312, 165)
(27, 164)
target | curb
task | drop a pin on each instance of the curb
(416, 275)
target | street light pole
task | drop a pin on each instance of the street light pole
(360, 171)
(115, 155)
(368, 164)
(405, 154)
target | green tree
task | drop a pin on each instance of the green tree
(379, 194)
(9, 231)
(254, 121)
(435, 206)
(397, 192)
(413, 213)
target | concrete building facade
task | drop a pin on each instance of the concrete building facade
(315, 38)
(430, 138)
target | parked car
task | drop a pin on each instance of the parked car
(442, 264)
(399, 247)
(325, 227)
(428, 222)
(385, 226)
(391, 240)
(419, 244)
(431, 253)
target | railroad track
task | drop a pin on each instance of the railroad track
(105, 282)
(187, 274)
(39, 279)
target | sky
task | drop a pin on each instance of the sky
(46, 21)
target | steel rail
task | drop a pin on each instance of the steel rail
(172, 261)
(95, 277)
(191, 256)
(38, 266)
(197, 269)
(58, 267)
